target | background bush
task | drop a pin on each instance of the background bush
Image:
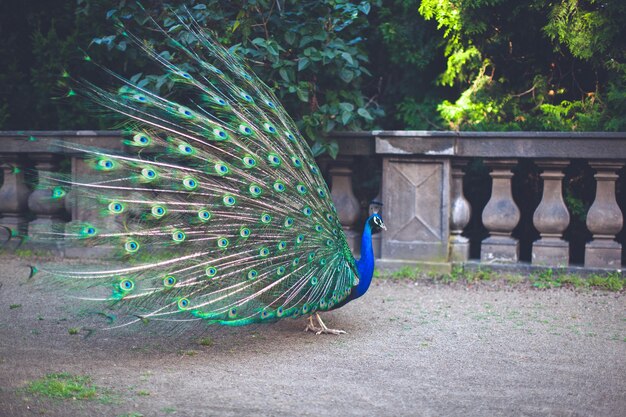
(346, 65)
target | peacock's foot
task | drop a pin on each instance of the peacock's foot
(311, 327)
(323, 329)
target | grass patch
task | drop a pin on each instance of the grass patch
(543, 279)
(406, 272)
(14, 306)
(205, 341)
(63, 385)
(550, 278)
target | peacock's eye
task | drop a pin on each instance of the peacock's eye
(221, 169)
(220, 134)
(106, 164)
(185, 112)
(141, 140)
(279, 186)
(210, 271)
(169, 281)
(116, 207)
(269, 128)
(190, 183)
(255, 190)
(131, 246)
(127, 285)
(204, 215)
(244, 232)
(148, 174)
(178, 236)
(296, 162)
(158, 211)
(58, 192)
(229, 200)
(273, 159)
(248, 161)
(183, 303)
(245, 130)
(301, 189)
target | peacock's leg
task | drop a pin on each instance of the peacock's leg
(324, 329)
(312, 327)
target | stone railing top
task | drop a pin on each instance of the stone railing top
(594, 145)
(44, 141)
(589, 145)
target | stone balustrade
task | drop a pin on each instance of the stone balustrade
(421, 189)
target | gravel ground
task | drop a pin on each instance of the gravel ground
(417, 349)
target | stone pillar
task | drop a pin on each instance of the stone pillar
(551, 217)
(417, 209)
(604, 219)
(347, 205)
(82, 209)
(14, 195)
(460, 212)
(48, 211)
(500, 215)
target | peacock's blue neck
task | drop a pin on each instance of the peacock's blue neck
(365, 265)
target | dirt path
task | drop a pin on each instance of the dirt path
(419, 350)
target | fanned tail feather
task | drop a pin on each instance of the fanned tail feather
(216, 203)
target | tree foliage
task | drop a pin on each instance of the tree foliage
(532, 65)
(336, 64)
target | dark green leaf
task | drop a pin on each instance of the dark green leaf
(364, 113)
(346, 75)
(303, 63)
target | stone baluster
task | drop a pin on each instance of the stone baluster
(347, 205)
(460, 212)
(500, 215)
(48, 211)
(551, 217)
(604, 219)
(13, 196)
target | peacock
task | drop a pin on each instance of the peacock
(215, 206)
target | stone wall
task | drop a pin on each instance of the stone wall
(424, 207)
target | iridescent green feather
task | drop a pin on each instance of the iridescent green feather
(216, 203)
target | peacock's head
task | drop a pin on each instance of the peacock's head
(376, 223)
